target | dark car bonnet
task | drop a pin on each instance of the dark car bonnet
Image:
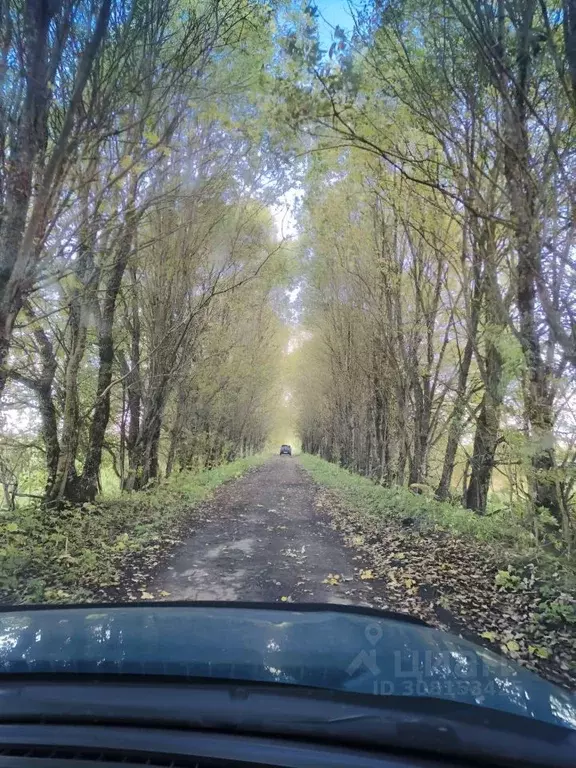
(332, 647)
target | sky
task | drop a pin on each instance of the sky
(284, 215)
(332, 13)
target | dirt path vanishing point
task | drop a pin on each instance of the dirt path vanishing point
(263, 538)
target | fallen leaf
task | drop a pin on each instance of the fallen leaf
(490, 636)
(146, 596)
(332, 579)
(367, 573)
(540, 651)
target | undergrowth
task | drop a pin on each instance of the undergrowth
(402, 503)
(70, 554)
(527, 563)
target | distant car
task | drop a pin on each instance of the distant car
(285, 450)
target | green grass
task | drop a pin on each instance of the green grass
(365, 496)
(551, 571)
(67, 555)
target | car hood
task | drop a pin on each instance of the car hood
(332, 647)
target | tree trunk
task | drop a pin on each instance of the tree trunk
(48, 415)
(49, 431)
(379, 415)
(422, 412)
(176, 430)
(30, 138)
(150, 464)
(569, 24)
(455, 429)
(65, 478)
(523, 195)
(66, 483)
(486, 436)
(21, 229)
(457, 417)
(144, 458)
(491, 367)
(101, 413)
(416, 475)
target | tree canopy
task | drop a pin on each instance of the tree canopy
(417, 325)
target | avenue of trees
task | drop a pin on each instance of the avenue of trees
(138, 256)
(438, 237)
(144, 283)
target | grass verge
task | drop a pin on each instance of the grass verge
(400, 503)
(85, 553)
(483, 577)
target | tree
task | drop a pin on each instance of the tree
(162, 161)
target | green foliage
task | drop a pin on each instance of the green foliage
(560, 610)
(540, 651)
(361, 493)
(67, 555)
(507, 580)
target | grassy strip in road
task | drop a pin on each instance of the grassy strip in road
(84, 553)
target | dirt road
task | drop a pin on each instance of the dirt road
(274, 535)
(264, 538)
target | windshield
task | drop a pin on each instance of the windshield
(225, 224)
